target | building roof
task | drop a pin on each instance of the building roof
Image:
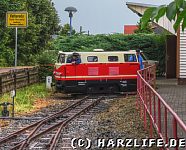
(141, 4)
(129, 29)
(139, 9)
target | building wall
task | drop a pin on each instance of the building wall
(182, 54)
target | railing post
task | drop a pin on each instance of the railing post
(154, 108)
(166, 138)
(150, 103)
(145, 112)
(142, 97)
(159, 116)
(154, 86)
(137, 92)
(175, 134)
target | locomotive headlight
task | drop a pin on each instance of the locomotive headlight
(57, 73)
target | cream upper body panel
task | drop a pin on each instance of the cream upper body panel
(103, 57)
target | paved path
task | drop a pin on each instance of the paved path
(174, 95)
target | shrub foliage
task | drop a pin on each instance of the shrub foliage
(151, 44)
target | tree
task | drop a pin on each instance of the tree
(43, 22)
(147, 29)
(65, 30)
(175, 11)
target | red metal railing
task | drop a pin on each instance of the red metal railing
(162, 117)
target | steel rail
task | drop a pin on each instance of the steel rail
(61, 125)
(44, 121)
(37, 124)
(57, 135)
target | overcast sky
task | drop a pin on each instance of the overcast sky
(101, 16)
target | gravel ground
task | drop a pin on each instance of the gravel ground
(116, 119)
(112, 119)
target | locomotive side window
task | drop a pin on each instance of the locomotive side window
(92, 59)
(61, 58)
(112, 58)
(130, 58)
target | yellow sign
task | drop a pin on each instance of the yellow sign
(17, 19)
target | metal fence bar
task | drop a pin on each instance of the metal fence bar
(154, 97)
(159, 116)
(151, 123)
(159, 111)
(166, 126)
(174, 123)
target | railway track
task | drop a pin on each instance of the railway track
(45, 134)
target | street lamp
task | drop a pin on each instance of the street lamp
(71, 11)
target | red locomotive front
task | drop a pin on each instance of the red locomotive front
(96, 72)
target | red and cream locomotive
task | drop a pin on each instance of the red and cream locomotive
(96, 72)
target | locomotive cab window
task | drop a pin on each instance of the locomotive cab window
(69, 57)
(130, 58)
(112, 58)
(61, 58)
(74, 58)
(92, 59)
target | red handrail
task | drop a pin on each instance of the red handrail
(149, 101)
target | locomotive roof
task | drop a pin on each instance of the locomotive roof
(104, 52)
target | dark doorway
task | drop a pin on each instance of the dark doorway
(171, 46)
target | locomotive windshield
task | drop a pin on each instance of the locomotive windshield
(61, 58)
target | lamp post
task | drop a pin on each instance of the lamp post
(71, 11)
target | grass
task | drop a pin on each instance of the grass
(26, 97)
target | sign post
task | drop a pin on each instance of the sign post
(16, 19)
(16, 48)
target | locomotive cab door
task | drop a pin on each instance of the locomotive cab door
(72, 69)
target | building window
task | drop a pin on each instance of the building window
(92, 59)
(112, 58)
(130, 58)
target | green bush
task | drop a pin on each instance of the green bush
(46, 57)
(46, 61)
(153, 45)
